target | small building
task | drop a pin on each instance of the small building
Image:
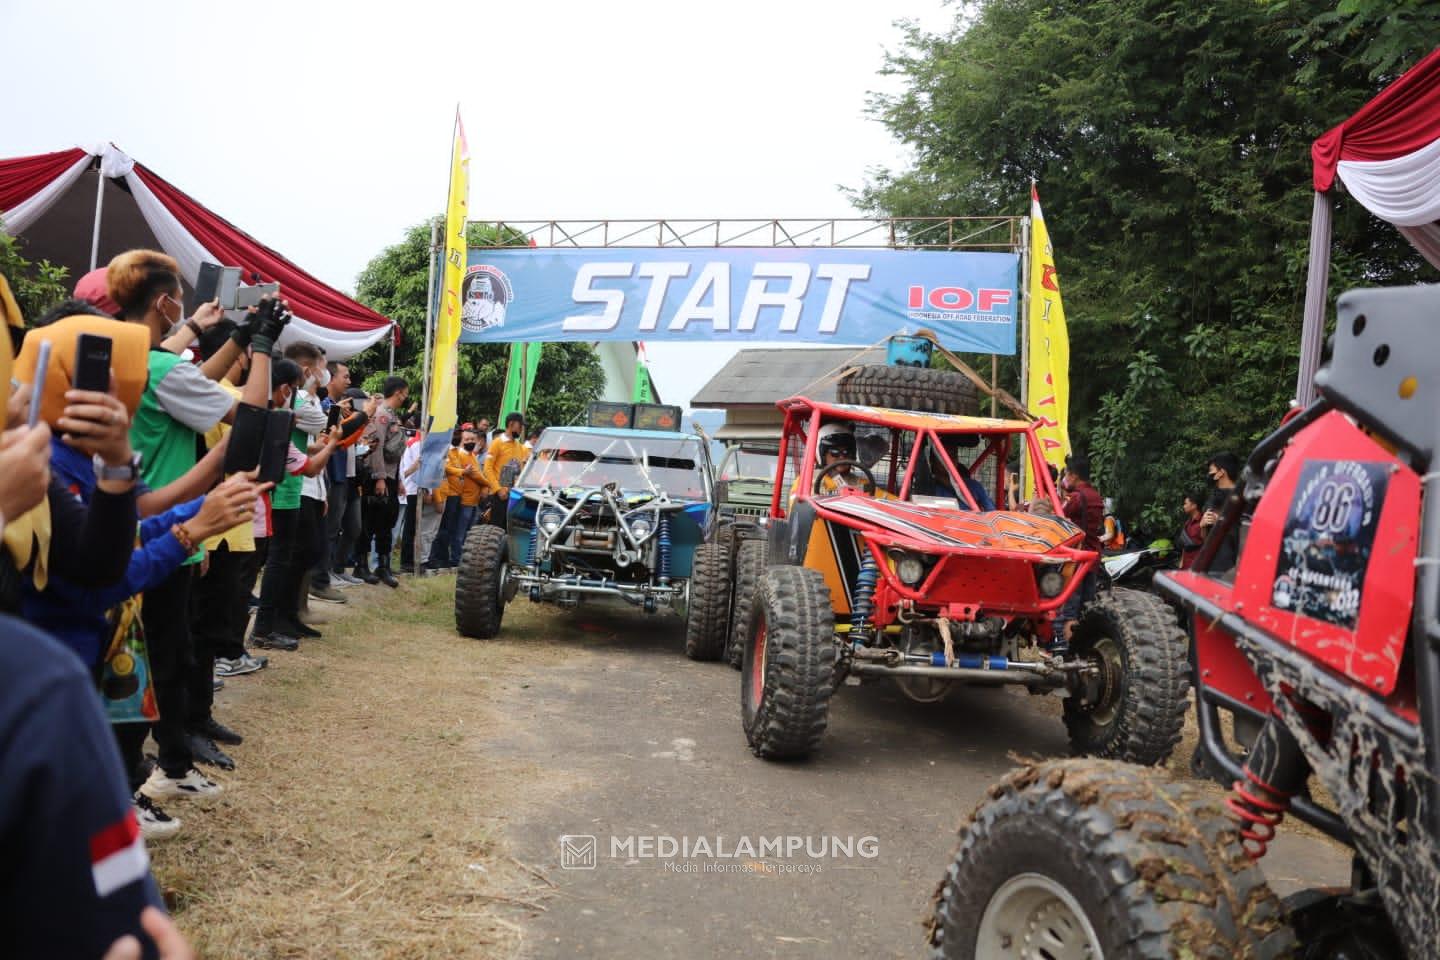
(755, 380)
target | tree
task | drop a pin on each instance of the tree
(1171, 144)
(37, 286)
(394, 284)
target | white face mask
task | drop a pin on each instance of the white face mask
(324, 377)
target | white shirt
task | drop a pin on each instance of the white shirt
(407, 479)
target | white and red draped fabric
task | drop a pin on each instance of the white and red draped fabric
(31, 186)
(1387, 156)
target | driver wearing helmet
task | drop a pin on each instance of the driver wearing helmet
(835, 447)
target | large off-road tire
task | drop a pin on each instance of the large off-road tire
(789, 668)
(749, 565)
(909, 388)
(708, 617)
(480, 582)
(1135, 709)
(1077, 854)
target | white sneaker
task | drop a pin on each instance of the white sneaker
(193, 786)
(155, 824)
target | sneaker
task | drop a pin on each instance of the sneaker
(347, 579)
(217, 731)
(326, 594)
(204, 750)
(259, 662)
(338, 584)
(276, 641)
(155, 824)
(193, 786)
(366, 575)
(301, 630)
(217, 684)
(236, 666)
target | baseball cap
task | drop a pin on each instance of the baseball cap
(94, 289)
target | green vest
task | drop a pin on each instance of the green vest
(286, 495)
(166, 446)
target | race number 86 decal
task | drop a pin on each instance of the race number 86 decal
(1328, 538)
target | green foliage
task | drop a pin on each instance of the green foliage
(394, 284)
(1171, 143)
(36, 286)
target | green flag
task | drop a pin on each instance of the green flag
(644, 393)
(519, 378)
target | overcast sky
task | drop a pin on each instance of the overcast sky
(323, 128)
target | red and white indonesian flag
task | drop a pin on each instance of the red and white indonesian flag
(1388, 156)
(117, 855)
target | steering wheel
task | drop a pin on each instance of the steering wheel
(835, 467)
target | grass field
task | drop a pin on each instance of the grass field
(362, 818)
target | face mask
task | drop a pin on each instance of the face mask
(323, 379)
(470, 446)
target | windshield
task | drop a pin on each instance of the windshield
(636, 464)
(742, 463)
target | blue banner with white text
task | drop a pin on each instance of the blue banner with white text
(740, 295)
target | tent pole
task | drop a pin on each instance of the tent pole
(424, 383)
(99, 203)
(1317, 282)
(392, 348)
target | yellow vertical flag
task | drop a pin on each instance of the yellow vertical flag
(1048, 377)
(445, 370)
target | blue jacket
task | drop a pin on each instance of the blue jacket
(76, 615)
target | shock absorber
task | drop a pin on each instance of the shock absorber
(662, 544)
(862, 606)
(1275, 771)
(534, 552)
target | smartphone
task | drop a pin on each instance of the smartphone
(247, 438)
(207, 284)
(37, 388)
(92, 363)
(276, 448)
(251, 296)
(228, 287)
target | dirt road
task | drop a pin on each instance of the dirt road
(623, 739)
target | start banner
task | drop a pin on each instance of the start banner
(740, 295)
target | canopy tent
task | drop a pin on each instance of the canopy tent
(81, 206)
(1387, 156)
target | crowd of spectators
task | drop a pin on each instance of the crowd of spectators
(138, 575)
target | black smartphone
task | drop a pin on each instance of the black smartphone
(277, 446)
(247, 438)
(207, 284)
(92, 363)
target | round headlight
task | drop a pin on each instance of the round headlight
(640, 527)
(909, 569)
(1051, 583)
(550, 521)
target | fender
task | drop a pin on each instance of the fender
(790, 537)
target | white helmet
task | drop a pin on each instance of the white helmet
(835, 436)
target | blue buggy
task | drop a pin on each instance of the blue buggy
(597, 511)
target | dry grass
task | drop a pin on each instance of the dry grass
(361, 821)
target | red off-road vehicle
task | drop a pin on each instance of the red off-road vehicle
(893, 561)
(1323, 648)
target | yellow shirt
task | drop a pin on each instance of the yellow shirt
(241, 537)
(457, 482)
(503, 450)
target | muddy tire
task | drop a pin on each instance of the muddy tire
(708, 618)
(480, 583)
(1134, 865)
(1135, 709)
(749, 565)
(789, 667)
(909, 388)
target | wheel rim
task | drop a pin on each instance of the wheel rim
(757, 663)
(1033, 917)
(1102, 693)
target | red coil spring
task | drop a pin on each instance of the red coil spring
(1258, 815)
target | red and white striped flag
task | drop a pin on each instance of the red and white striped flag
(117, 855)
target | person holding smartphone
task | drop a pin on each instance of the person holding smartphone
(179, 405)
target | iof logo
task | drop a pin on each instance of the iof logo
(485, 295)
